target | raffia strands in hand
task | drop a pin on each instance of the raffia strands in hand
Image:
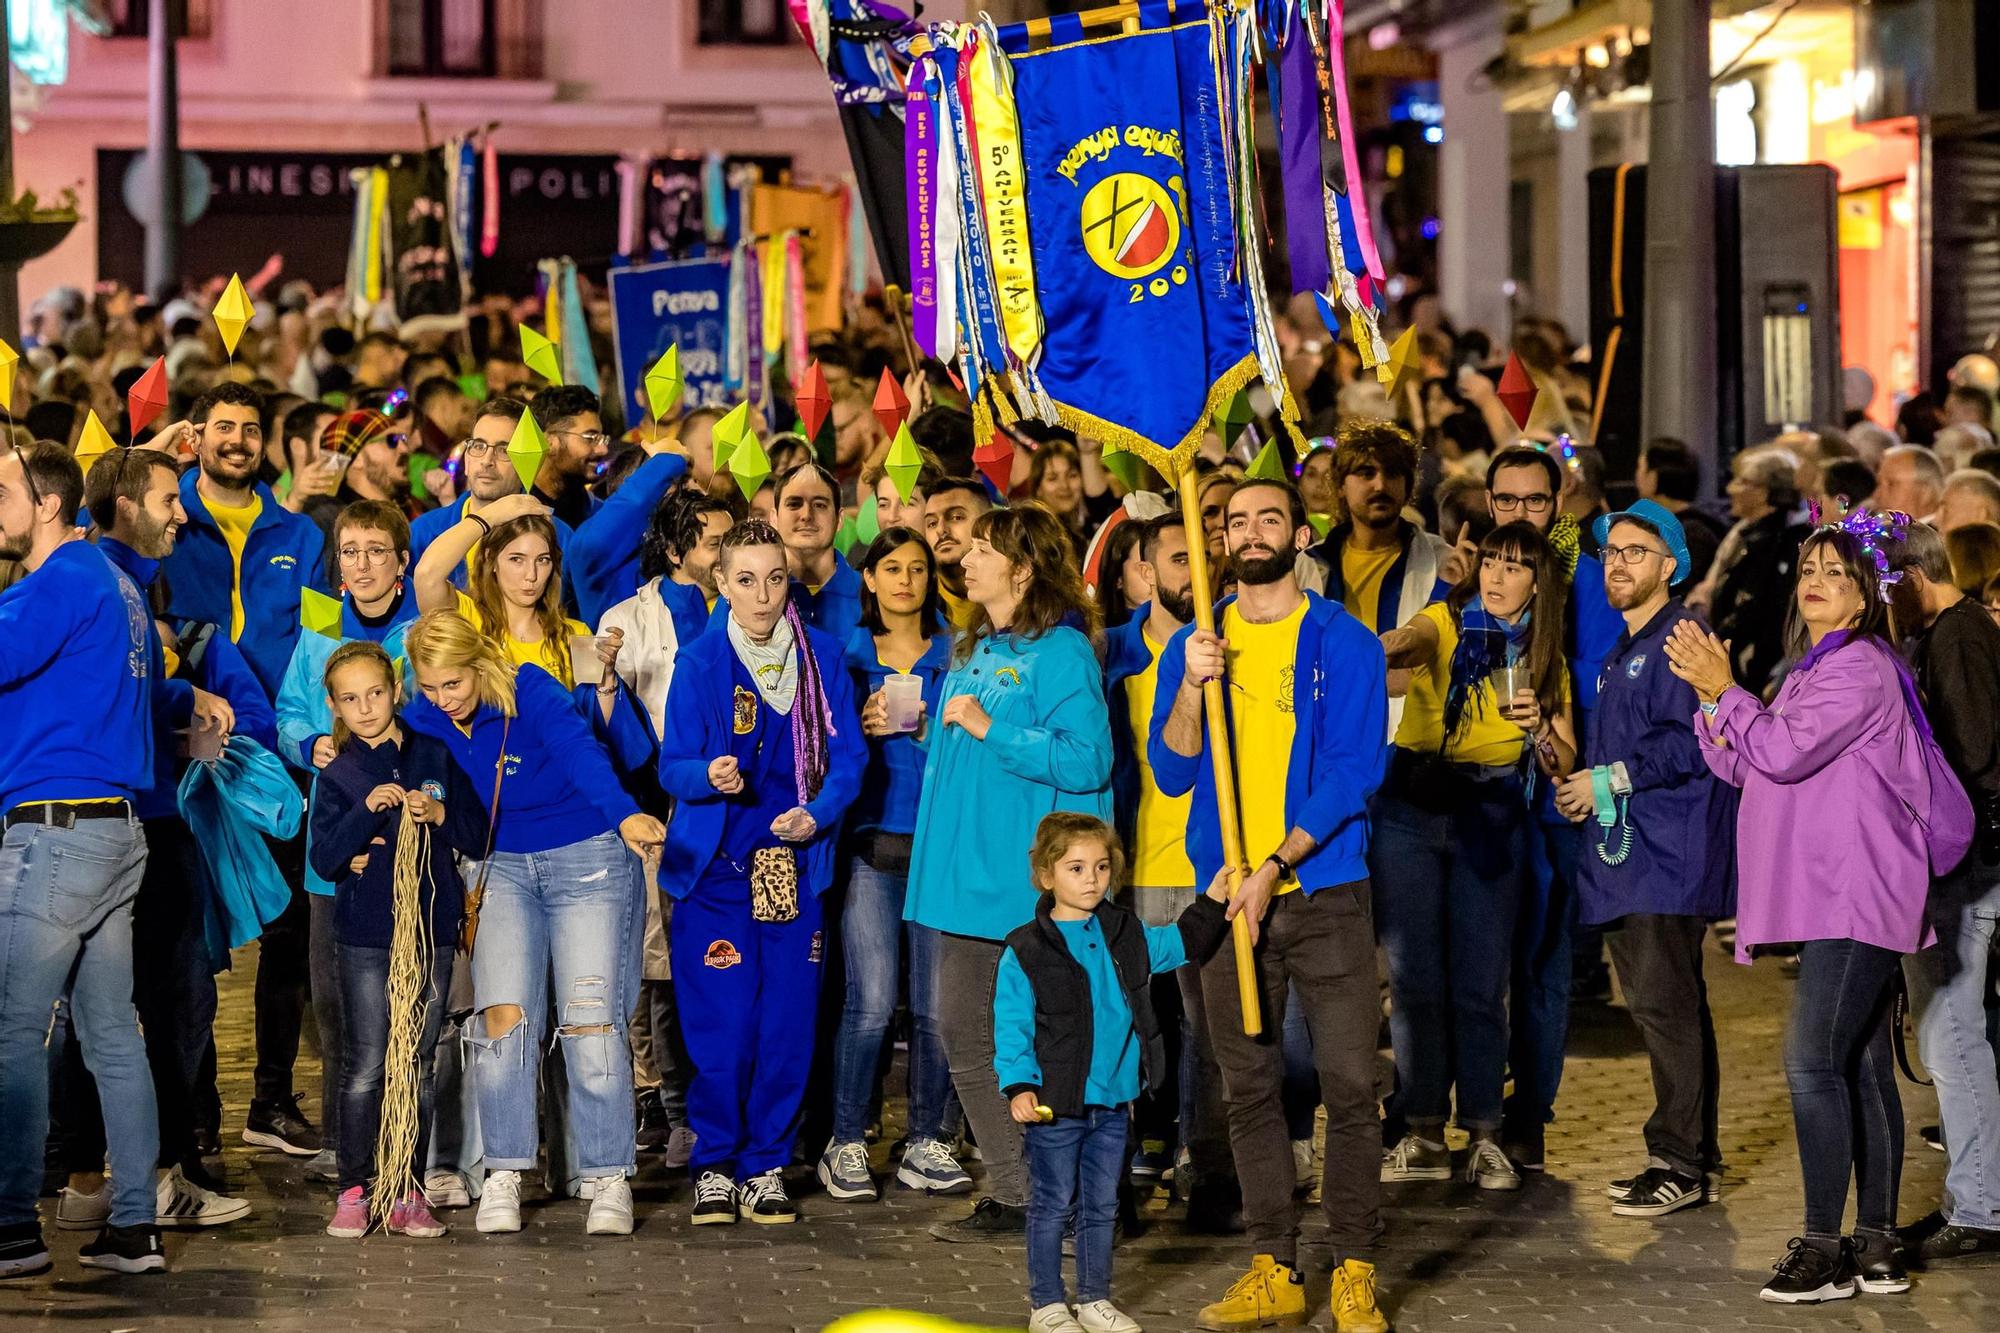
(410, 955)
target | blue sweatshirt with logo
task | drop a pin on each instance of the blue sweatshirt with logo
(284, 553)
(558, 787)
(79, 663)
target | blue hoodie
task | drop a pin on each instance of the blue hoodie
(284, 553)
(702, 703)
(79, 663)
(1340, 692)
(603, 555)
(558, 788)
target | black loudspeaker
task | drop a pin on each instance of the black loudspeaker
(1777, 306)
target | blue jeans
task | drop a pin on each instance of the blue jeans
(750, 990)
(572, 913)
(872, 935)
(66, 919)
(1543, 953)
(1842, 1073)
(364, 999)
(1073, 1168)
(1447, 886)
(1950, 983)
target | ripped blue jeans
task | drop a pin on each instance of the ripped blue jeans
(568, 918)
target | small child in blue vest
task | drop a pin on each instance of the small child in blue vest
(1073, 1032)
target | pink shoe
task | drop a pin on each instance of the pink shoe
(350, 1215)
(412, 1217)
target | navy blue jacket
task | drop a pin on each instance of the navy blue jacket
(1341, 695)
(702, 701)
(343, 827)
(285, 552)
(1682, 818)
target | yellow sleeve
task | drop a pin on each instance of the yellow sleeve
(467, 608)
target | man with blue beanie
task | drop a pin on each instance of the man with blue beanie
(1659, 857)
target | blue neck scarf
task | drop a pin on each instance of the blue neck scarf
(1485, 644)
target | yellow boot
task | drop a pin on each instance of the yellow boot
(1353, 1301)
(1270, 1293)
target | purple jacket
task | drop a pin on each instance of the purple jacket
(1831, 836)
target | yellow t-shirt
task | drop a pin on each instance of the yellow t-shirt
(1361, 574)
(1261, 663)
(958, 610)
(1484, 737)
(552, 658)
(1159, 852)
(235, 521)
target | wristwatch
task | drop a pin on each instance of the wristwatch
(1284, 866)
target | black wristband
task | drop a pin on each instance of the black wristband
(1284, 866)
(485, 528)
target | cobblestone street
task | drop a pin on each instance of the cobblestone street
(1551, 1257)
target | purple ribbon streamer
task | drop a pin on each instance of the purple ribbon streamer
(1299, 163)
(920, 150)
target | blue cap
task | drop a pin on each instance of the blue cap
(1662, 520)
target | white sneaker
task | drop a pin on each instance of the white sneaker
(1053, 1319)
(929, 1166)
(610, 1208)
(83, 1212)
(500, 1202)
(446, 1189)
(1104, 1317)
(179, 1202)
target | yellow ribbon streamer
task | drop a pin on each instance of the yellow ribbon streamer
(1003, 189)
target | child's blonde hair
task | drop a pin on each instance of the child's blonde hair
(1063, 829)
(359, 650)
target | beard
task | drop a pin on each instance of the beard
(153, 539)
(1623, 597)
(16, 547)
(1179, 605)
(1257, 568)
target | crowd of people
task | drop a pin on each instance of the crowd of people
(622, 808)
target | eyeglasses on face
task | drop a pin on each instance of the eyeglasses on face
(476, 448)
(373, 555)
(1629, 555)
(1534, 504)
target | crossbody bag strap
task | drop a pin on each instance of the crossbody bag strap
(478, 894)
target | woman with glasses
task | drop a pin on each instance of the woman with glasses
(1486, 717)
(1847, 812)
(371, 554)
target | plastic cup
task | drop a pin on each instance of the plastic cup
(1509, 681)
(902, 697)
(584, 663)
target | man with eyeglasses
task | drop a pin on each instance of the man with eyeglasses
(1659, 862)
(577, 449)
(1524, 484)
(241, 564)
(77, 673)
(486, 474)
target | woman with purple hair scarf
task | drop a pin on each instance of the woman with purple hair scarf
(762, 753)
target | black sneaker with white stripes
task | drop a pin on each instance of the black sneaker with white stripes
(714, 1200)
(126, 1250)
(763, 1199)
(1711, 1187)
(1811, 1272)
(1657, 1191)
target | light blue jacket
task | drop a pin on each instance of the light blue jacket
(1049, 748)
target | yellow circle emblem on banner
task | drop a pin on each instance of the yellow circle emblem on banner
(1131, 225)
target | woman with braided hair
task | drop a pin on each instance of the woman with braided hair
(763, 757)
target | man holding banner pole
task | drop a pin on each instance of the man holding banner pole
(1302, 700)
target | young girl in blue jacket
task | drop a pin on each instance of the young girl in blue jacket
(1074, 1037)
(763, 757)
(378, 772)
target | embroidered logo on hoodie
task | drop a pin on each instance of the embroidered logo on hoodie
(721, 955)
